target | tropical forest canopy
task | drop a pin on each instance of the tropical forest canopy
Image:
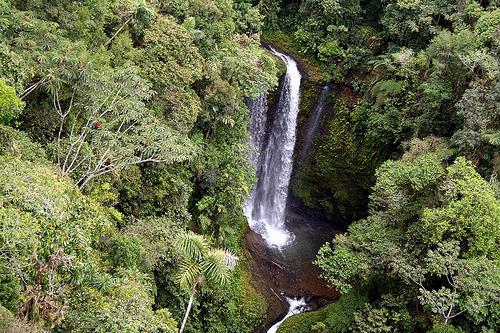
(123, 126)
(123, 162)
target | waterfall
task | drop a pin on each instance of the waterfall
(257, 127)
(313, 123)
(296, 306)
(265, 209)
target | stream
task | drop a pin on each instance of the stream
(296, 305)
(285, 236)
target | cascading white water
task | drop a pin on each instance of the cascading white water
(265, 209)
(257, 127)
(297, 305)
(313, 123)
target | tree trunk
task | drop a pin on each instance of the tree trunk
(187, 313)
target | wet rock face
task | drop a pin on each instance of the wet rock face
(264, 274)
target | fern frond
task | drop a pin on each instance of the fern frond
(493, 138)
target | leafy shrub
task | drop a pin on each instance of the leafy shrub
(10, 105)
(487, 26)
(10, 289)
(127, 251)
(445, 329)
(18, 143)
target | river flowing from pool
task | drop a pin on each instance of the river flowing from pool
(297, 305)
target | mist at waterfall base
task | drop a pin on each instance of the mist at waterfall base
(265, 209)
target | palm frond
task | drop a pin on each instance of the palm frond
(191, 245)
(188, 274)
(200, 260)
(230, 259)
(214, 271)
(218, 264)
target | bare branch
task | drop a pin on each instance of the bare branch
(61, 125)
(118, 31)
(32, 88)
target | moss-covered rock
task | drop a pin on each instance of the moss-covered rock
(338, 175)
(284, 41)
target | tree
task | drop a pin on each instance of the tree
(126, 305)
(105, 126)
(471, 284)
(431, 235)
(487, 26)
(199, 263)
(468, 212)
(47, 229)
(17, 143)
(415, 21)
(172, 63)
(116, 94)
(103, 122)
(137, 13)
(479, 135)
(54, 267)
(324, 25)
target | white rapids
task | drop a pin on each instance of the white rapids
(297, 305)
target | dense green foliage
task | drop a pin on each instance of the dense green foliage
(122, 125)
(123, 131)
(53, 267)
(10, 104)
(432, 237)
